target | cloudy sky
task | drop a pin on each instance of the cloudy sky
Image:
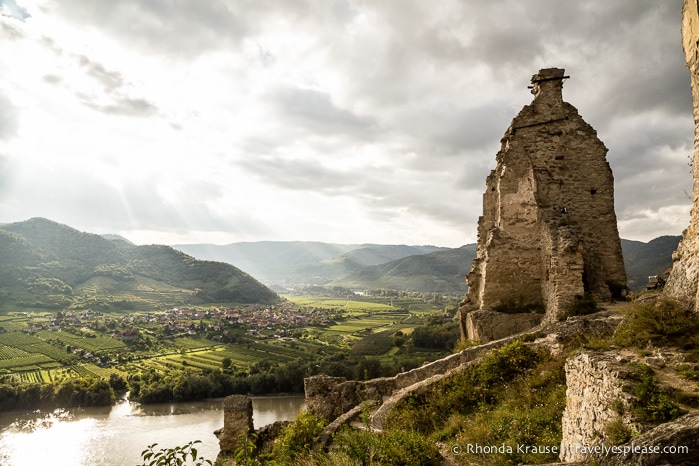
(349, 121)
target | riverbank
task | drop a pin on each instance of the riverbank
(115, 436)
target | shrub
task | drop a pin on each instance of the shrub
(397, 447)
(652, 404)
(665, 322)
(173, 456)
(298, 438)
(616, 432)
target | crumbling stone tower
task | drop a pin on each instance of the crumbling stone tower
(683, 283)
(548, 234)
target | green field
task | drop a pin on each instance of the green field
(358, 327)
(342, 304)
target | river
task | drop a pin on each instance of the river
(116, 436)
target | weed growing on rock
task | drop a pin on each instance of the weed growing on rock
(617, 432)
(652, 404)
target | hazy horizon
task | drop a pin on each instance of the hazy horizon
(174, 245)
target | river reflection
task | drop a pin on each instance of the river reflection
(116, 436)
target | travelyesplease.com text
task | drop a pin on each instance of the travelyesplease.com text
(478, 449)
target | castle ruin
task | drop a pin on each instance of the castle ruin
(683, 283)
(548, 234)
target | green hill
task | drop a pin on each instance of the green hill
(441, 271)
(302, 262)
(444, 271)
(644, 259)
(400, 267)
(49, 265)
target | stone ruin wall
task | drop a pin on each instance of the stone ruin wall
(548, 231)
(238, 431)
(683, 283)
(331, 397)
(597, 389)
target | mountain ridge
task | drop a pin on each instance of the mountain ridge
(48, 264)
(73, 258)
(641, 260)
(299, 262)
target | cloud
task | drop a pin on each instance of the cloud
(124, 106)
(10, 9)
(110, 80)
(112, 98)
(9, 118)
(177, 28)
(314, 111)
(300, 175)
(392, 111)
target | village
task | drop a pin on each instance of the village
(260, 322)
(150, 329)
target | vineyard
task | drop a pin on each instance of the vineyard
(375, 344)
(36, 355)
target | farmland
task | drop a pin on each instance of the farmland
(40, 347)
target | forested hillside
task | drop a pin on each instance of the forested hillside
(49, 265)
(441, 271)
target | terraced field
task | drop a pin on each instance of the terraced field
(19, 351)
(363, 328)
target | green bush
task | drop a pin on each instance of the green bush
(617, 432)
(175, 456)
(395, 447)
(298, 438)
(652, 404)
(665, 322)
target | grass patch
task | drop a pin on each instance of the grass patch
(662, 323)
(688, 372)
(396, 447)
(514, 396)
(651, 404)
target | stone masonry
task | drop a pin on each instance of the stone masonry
(237, 425)
(683, 283)
(238, 433)
(548, 234)
(597, 394)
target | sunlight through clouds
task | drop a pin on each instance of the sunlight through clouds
(338, 121)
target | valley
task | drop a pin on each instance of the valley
(245, 349)
(85, 317)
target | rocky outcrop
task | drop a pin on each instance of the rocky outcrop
(674, 443)
(683, 283)
(548, 232)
